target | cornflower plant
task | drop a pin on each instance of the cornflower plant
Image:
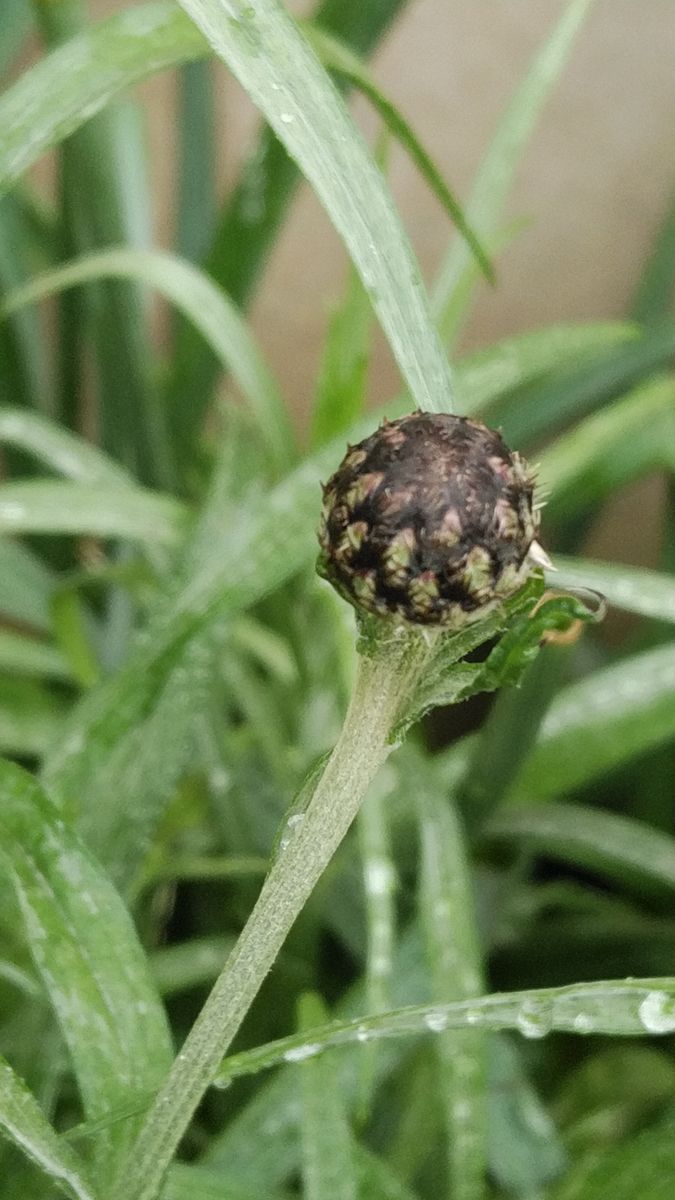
(466, 994)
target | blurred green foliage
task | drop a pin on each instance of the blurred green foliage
(171, 669)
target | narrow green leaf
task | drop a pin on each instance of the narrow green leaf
(448, 918)
(503, 157)
(618, 848)
(544, 407)
(627, 1083)
(56, 447)
(634, 589)
(644, 1166)
(251, 217)
(204, 304)
(197, 155)
(136, 755)
(73, 83)
(209, 866)
(87, 952)
(52, 506)
(23, 349)
(264, 49)
(260, 1146)
(377, 1179)
(186, 965)
(104, 200)
(624, 439)
(635, 1007)
(600, 723)
(526, 1149)
(20, 655)
(337, 57)
(328, 1170)
(379, 884)
(342, 380)
(22, 1119)
(74, 636)
(652, 303)
(31, 719)
(502, 368)
(190, 1181)
(16, 24)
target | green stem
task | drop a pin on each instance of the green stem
(383, 685)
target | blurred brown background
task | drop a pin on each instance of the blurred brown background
(594, 185)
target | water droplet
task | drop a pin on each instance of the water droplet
(286, 118)
(298, 1053)
(292, 824)
(362, 1034)
(535, 1018)
(379, 877)
(657, 1013)
(436, 1022)
(583, 1023)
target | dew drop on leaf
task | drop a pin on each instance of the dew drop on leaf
(657, 1013)
(535, 1018)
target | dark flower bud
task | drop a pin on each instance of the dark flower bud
(431, 520)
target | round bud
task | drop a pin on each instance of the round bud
(431, 519)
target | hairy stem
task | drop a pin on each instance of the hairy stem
(383, 685)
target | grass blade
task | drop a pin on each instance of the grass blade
(618, 848)
(500, 164)
(652, 303)
(23, 356)
(498, 371)
(26, 586)
(342, 381)
(620, 1008)
(57, 448)
(205, 305)
(31, 718)
(644, 1166)
(526, 1150)
(260, 1146)
(328, 1170)
(186, 965)
(104, 200)
(337, 57)
(53, 506)
(24, 656)
(379, 884)
(93, 969)
(448, 919)
(599, 723)
(189, 1181)
(22, 1119)
(196, 182)
(592, 726)
(264, 49)
(253, 213)
(624, 440)
(543, 407)
(16, 25)
(73, 83)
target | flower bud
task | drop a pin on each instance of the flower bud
(431, 520)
